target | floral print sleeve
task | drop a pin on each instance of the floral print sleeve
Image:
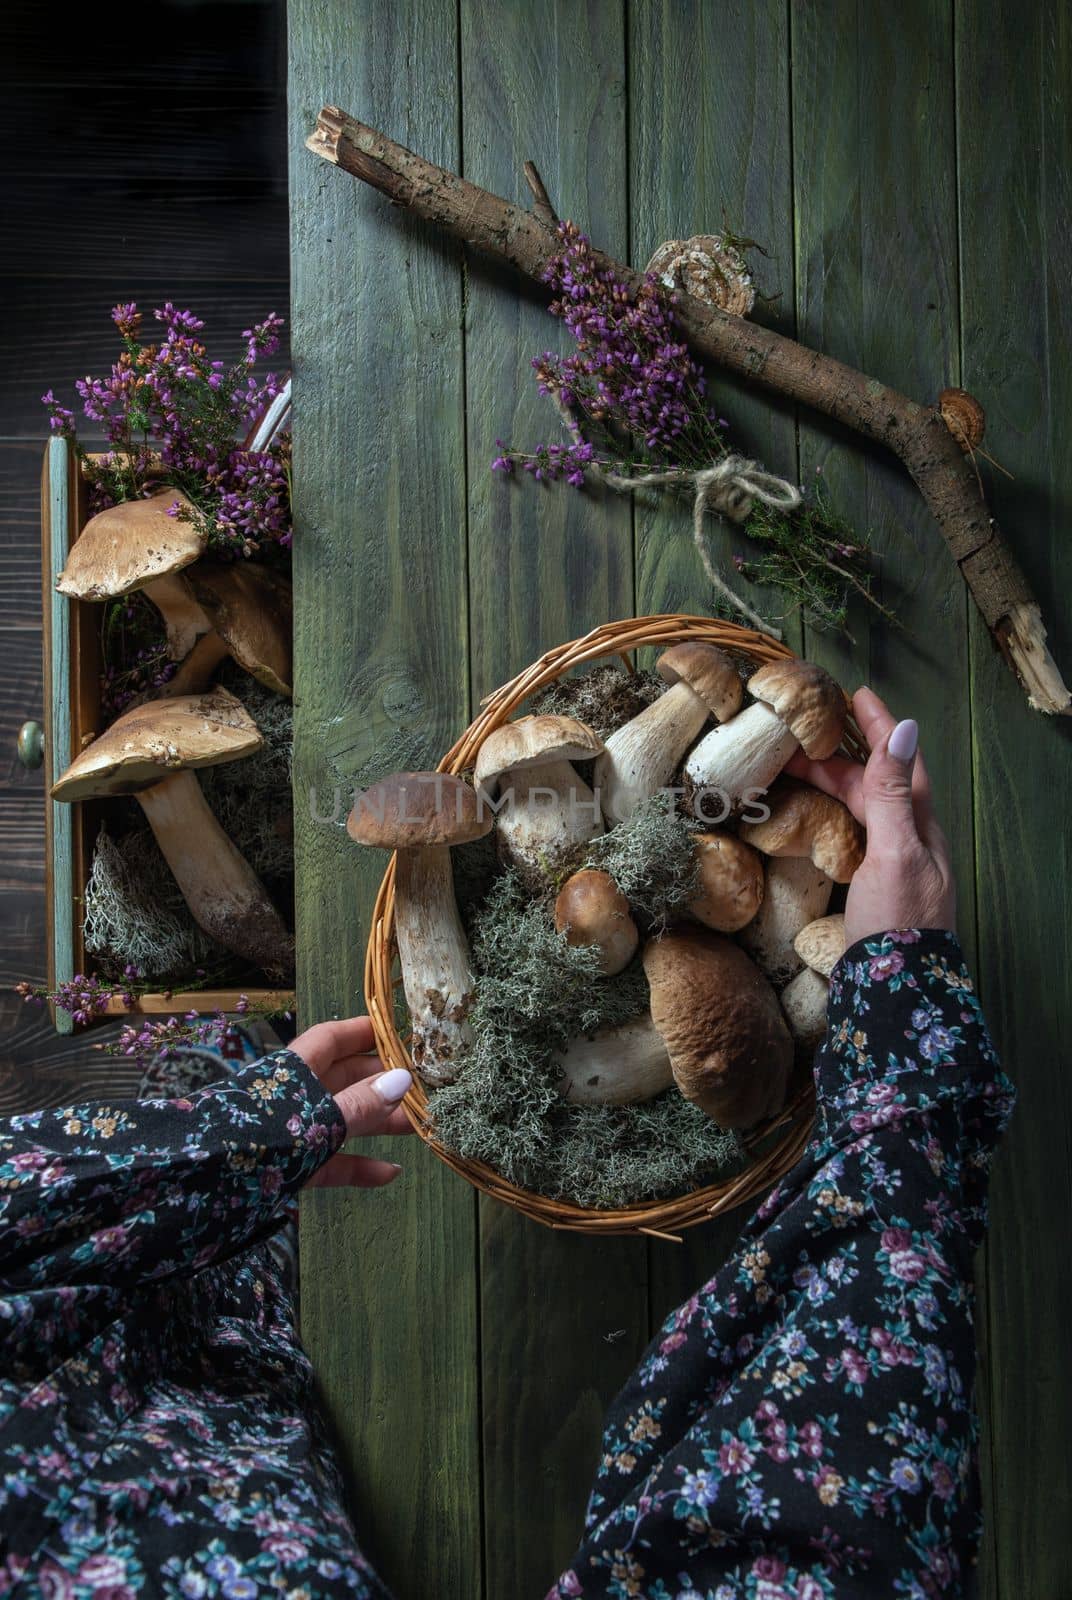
(803, 1427)
(146, 1189)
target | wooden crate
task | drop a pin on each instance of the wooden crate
(72, 665)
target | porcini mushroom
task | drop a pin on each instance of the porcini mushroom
(642, 756)
(814, 841)
(545, 807)
(420, 815)
(152, 752)
(591, 910)
(615, 1066)
(796, 704)
(249, 609)
(719, 1018)
(138, 544)
(731, 882)
(820, 946)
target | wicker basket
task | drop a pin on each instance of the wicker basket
(775, 1146)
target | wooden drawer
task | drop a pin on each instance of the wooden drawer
(72, 663)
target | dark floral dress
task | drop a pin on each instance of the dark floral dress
(802, 1427)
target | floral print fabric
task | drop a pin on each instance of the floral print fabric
(803, 1427)
(158, 1433)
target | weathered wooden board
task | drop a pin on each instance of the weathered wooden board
(1016, 326)
(562, 1319)
(709, 145)
(389, 1297)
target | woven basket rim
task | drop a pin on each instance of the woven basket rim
(777, 1144)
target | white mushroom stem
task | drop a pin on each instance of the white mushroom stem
(183, 617)
(543, 812)
(616, 1066)
(743, 755)
(642, 756)
(434, 955)
(796, 893)
(224, 894)
(804, 1001)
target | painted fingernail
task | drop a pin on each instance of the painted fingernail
(903, 740)
(391, 1086)
(396, 1166)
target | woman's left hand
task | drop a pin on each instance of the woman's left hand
(341, 1056)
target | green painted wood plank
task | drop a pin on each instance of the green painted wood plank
(58, 720)
(1016, 234)
(389, 1291)
(709, 140)
(562, 1318)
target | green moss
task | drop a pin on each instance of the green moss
(534, 993)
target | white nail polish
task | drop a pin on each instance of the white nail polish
(391, 1086)
(903, 740)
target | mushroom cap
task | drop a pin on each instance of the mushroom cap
(410, 809)
(721, 1023)
(807, 700)
(590, 909)
(151, 741)
(731, 882)
(807, 822)
(129, 545)
(821, 944)
(533, 741)
(708, 671)
(250, 607)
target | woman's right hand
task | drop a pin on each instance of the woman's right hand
(906, 879)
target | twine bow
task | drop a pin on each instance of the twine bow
(731, 488)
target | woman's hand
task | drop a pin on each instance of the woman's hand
(906, 880)
(340, 1055)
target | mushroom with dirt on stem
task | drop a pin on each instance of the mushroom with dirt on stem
(820, 946)
(812, 842)
(641, 756)
(719, 1018)
(591, 910)
(545, 808)
(419, 815)
(795, 704)
(140, 544)
(152, 752)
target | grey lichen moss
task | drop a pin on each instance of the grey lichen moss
(534, 993)
(652, 859)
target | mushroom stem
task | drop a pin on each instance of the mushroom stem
(549, 810)
(796, 893)
(616, 1066)
(641, 757)
(224, 894)
(434, 955)
(743, 755)
(195, 672)
(184, 619)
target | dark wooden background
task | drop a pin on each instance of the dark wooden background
(907, 168)
(144, 159)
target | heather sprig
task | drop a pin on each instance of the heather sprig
(633, 400)
(173, 413)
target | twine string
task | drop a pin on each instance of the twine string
(730, 488)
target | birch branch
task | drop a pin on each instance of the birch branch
(916, 433)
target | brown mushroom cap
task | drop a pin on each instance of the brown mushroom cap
(151, 741)
(806, 822)
(129, 545)
(708, 671)
(250, 607)
(721, 1023)
(590, 909)
(821, 944)
(408, 809)
(731, 882)
(533, 742)
(807, 700)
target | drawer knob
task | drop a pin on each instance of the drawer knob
(31, 744)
